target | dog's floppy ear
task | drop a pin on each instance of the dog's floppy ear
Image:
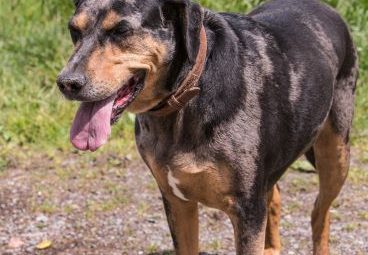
(187, 17)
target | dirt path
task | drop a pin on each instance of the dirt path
(112, 206)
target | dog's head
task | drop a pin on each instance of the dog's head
(127, 55)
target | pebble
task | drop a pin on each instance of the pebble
(42, 218)
(15, 243)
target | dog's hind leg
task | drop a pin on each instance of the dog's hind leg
(332, 160)
(332, 150)
(273, 241)
(182, 217)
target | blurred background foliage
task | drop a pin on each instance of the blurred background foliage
(34, 45)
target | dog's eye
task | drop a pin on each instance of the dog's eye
(123, 28)
(75, 33)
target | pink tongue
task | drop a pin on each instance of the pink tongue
(91, 127)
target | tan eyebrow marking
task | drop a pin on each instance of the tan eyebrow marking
(111, 19)
(80, 21)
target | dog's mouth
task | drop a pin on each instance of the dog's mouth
(126, 95)
(92, 124)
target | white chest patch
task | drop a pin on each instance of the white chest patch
(173, 182)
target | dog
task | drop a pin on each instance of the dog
(224, 104)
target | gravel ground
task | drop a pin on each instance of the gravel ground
(110, 206)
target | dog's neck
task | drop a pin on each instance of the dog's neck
(219, 83)
(187, 89)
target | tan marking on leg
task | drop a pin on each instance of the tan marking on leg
(332, 160)
(182, 216)
(111, 20)
(80, 21)
(159, 172)
(273, 240)
(183, 221)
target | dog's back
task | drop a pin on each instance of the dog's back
(304, 27)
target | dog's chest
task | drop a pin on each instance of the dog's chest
(188, 180)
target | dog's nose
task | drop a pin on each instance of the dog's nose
(71, 84)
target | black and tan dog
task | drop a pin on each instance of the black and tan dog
(224, 103)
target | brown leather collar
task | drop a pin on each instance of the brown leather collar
(189, 87)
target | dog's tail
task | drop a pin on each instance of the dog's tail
(342, 110)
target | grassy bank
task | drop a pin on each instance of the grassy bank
(34, 45)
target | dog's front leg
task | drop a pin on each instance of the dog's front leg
(248, 217)
(182, 217)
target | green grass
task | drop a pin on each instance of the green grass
(34, 45)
